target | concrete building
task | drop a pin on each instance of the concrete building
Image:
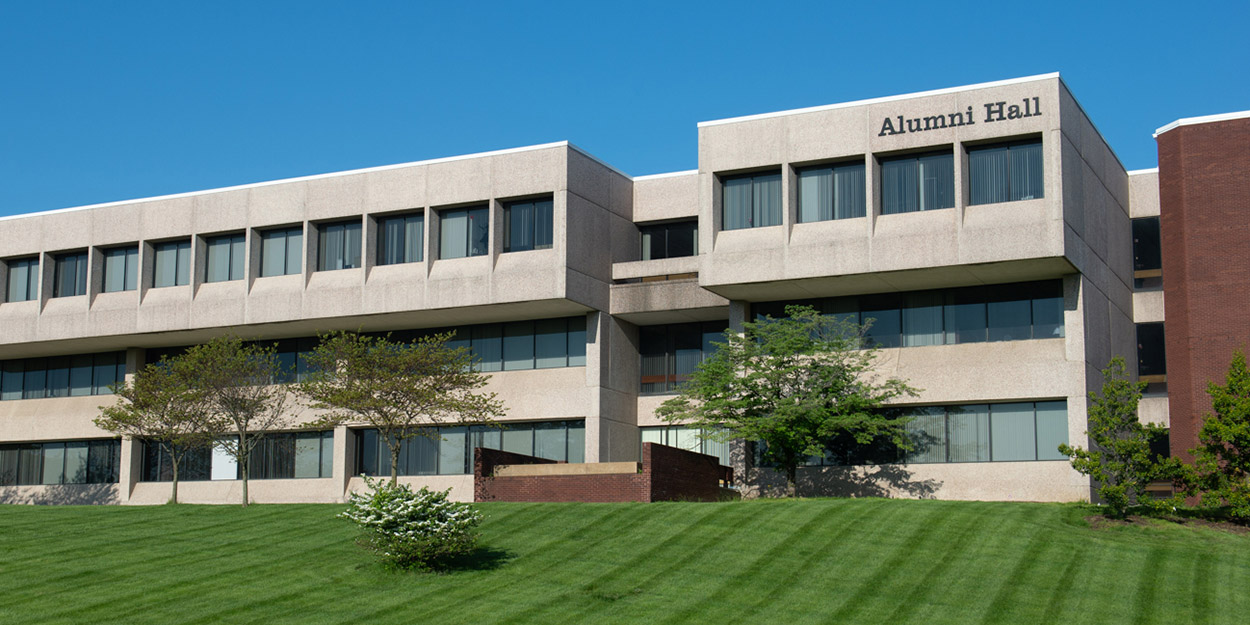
(988, 230)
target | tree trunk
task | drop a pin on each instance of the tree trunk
(245, 455)
(792, 485)
(174, 461)
(243, 467)
(395, 447)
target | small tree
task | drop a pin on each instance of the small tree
(1120, 458)
(236, 381)
(793, 384)
(1221, 471)
(159, 406)
(402, 389)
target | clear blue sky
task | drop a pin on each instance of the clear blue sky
(103, 101)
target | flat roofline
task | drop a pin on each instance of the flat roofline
(366, 170)
(1206, 119)
(668, 174)
(1142, 172)
(892, 98)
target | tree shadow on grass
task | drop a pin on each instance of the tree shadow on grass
(481, 559)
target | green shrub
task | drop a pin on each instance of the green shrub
(411, 529)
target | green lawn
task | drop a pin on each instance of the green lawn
(808, 561)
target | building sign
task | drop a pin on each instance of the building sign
(994, 112)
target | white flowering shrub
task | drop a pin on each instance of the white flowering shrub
(413, 529)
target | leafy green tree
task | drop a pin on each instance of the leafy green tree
(236, 381)
(792, 384)
(1221, 471)
(1120, 459)
(159, 406)
(404, 390)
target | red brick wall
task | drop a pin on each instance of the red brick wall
(667, 474)
(1204, 194)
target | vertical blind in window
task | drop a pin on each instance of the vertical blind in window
(1005, 432)
(338, 246)
(225, 258)
(1005, 173)
(279, 455)
(1005, 312)
(23, 280)
(402, 238)
(172, 264)
(918, 183)
(61, 376)
(751, 201)
(834, 192)
(121, 269)
(670, 353)
(62, 462)
(280, 251)
(450, 451)
(527, 226)
(70, 276)
(463, 232)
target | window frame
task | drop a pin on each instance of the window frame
(469, 213)
(180, 248)
(129, 258)
(832, 168)
(404, 219)
(1009, 146)
(231, 242)
(538, 209)
(345, 230)
(268, 236)
(917, 159)
(774, 217)
(80, 273)
(666, 229)
(29, 267)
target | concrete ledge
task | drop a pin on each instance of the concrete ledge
(589, 468)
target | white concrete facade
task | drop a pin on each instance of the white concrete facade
(1077, 234)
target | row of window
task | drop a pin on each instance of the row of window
(282, 455)
(452, 453)
(988, 432)
(517, 345)
(528, 225)
(998, 173)
(670, 353)
(1004, 312)
(62, 462)
(61, 376)
(1002, 432)
(299, 455)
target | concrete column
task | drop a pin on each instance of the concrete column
(344, 462)
(130, 470)
(739, 312)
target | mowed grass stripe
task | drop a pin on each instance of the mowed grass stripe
(796, 562)
(750, 586)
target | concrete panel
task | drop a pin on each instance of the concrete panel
(395, 189)
(669, 197)
(1144, 194)
(224, 211)
(1148, 307)
(458, 182)
(334, 197)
